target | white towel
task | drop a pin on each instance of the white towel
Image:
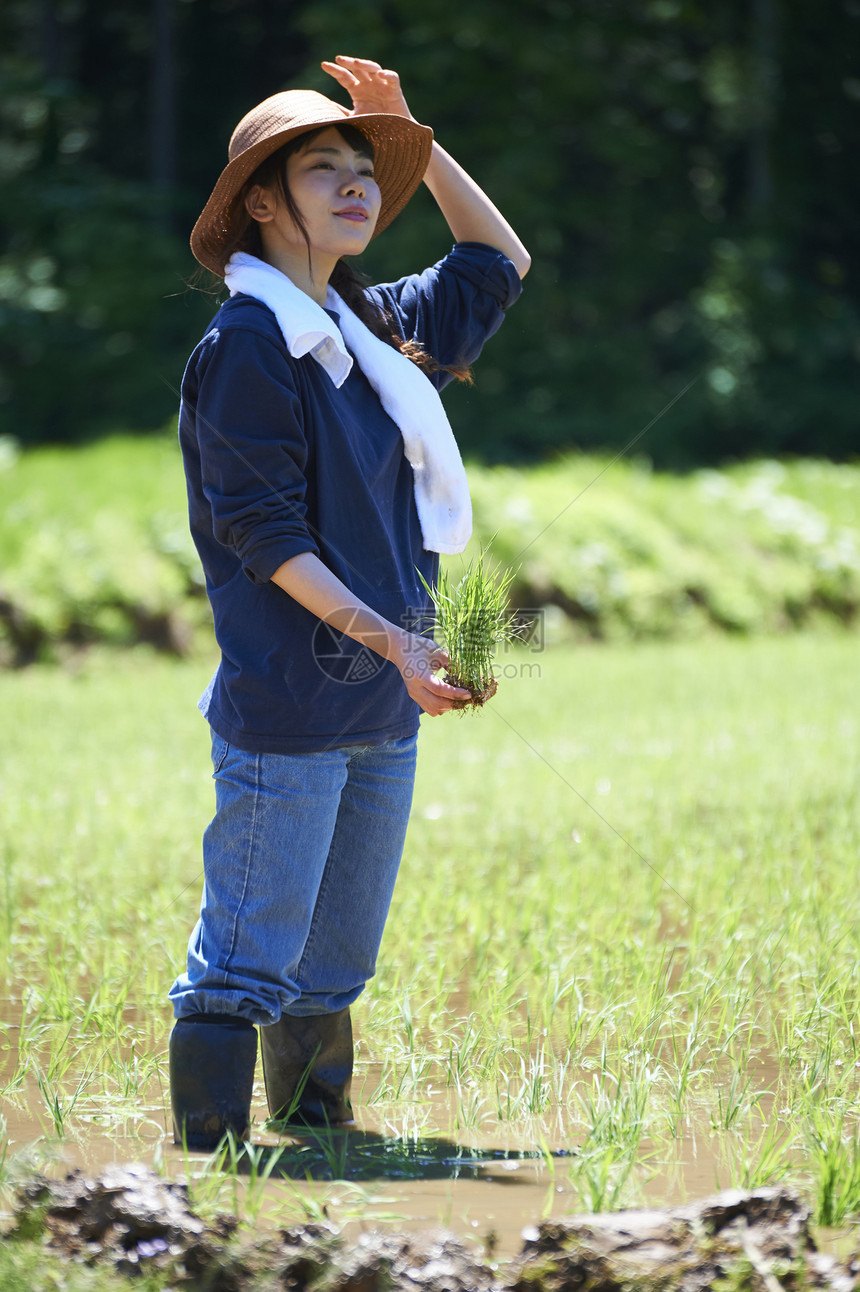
(409, 398)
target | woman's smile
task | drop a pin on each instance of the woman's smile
(356, 213)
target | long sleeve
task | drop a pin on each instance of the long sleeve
(453, 307)
(251, 450)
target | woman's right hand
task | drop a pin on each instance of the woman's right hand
(417, 658)
(372, 88)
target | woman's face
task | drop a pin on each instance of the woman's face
(333, 187)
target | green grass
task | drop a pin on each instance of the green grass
(26, 1267)
(626, 922)
(629, 553)
(94, 546)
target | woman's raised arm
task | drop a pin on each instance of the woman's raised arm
(470, 214)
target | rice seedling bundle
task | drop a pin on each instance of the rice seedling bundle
(473, 618)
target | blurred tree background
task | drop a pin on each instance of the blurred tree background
(682, 172)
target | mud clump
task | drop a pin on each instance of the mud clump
(479, 695)
(127, 1217)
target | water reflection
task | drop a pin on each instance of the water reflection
(348, 1154)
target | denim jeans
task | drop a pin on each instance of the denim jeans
(299, 868)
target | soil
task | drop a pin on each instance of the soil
(479, 697)
(131, 1219)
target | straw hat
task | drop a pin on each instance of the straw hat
(401, 153)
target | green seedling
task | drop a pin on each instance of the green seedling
(756, 1164)
(600, 1177)
(473, 619)
(835, 1153)
(60, 1106)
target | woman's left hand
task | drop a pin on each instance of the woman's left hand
(371, 87)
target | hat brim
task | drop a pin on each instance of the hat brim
(401, 155)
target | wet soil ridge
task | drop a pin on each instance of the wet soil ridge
(758, 1241)
(131, 1219)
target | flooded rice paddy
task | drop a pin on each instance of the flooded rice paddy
(485, 1183)
(413, 1162)
(621, 966)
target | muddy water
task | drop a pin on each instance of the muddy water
(477, 1190)
(485, 1184)
(408, 1164)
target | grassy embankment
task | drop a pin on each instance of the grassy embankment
(94, 546)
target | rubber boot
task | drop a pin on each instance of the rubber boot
(212, 1060)
(307, 1067)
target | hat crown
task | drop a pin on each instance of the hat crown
(289, 110)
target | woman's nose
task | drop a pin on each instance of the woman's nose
(355, 185)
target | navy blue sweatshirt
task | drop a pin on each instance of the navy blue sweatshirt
(277, 462)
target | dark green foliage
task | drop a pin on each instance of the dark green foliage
(681, 172)
(94, 314)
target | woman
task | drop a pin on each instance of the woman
(322, 479)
